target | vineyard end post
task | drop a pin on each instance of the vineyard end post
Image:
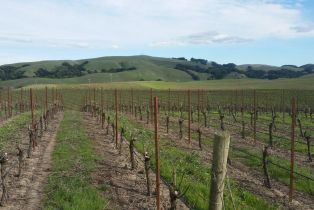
(219, 169)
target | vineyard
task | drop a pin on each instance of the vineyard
(94, 148)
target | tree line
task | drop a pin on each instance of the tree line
(67, 70)
(220, 71)
(8, 72)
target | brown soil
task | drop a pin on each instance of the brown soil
(26, 192)
(125, 188)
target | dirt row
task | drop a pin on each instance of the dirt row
(26, 192)
(246, 177)
(125, 188)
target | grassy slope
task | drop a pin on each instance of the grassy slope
(148, 68)
(73, 162)
(305, 82)
(151, 69)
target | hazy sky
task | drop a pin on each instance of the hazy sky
(240, 31)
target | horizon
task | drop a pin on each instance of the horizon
(188, 58)
(267, 32)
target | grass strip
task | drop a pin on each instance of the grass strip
(74, 160)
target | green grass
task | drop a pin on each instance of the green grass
(9, 131)
(103, 80)
(197, 175)
(97, 80)
(69, 185)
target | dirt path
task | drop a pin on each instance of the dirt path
(125, 188)
(25, 192)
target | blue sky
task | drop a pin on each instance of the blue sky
(272, 32)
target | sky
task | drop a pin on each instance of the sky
(273, 32)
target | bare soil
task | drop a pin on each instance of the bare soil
(26, 192)
(125, 188)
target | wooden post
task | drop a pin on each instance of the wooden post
(89, 100)
(198, 106)
(202, 100)
(151, 106)
(21, 100)
(116, 121)
(236, 102)
(120, 102)
(169, 100)
(32, 107)
(254, 125)
(86, 102)
(132, 105)
(189, 113)
(102, 100)
(242, 104)
(9, 105)
(5, 106)
(52, 96)
(293, 123)
(94, 103)
(283, 106)
(265, 167)
(56, 92)
(33, 115)
(46, 102)
(178, 100)
(1, 107)
(157, 154)
(219, 169)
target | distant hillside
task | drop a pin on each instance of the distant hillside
(143, 68)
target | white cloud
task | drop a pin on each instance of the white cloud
(115, 46)
(118, 23)
(303, 28)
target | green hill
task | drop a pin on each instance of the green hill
(147, 68)
(138, 68)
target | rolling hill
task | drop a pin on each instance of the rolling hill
(138, 68)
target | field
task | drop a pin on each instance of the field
(98, 80)
(94, 147)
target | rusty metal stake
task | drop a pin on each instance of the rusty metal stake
(293, 123)
(157, 154)
(254, 126)
(189, 120)
(116, 121)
